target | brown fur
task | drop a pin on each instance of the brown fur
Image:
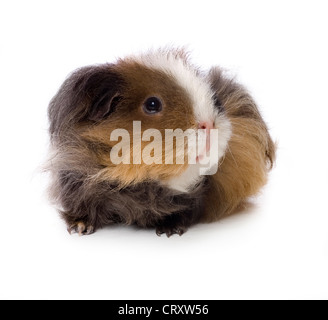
(142, 83)
(250, 155)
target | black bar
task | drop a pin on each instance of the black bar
(161, 309)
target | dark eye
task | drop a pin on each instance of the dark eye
(152, 105)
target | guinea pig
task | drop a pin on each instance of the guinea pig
(153, 92)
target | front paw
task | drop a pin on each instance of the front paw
(81, 228)
(173, 224)
(170, 230)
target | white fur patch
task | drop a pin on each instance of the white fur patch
(195, 85)
(199, 90)
(186, 180)
(190, 177)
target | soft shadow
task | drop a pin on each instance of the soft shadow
(122, 229)
(247, 207)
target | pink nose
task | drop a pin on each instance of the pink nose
(207, 126)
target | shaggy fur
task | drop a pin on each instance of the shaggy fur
(250, 155)
(144, 204)
(91, 192)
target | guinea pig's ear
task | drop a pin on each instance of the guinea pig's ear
(89, 93)
(104, 105)
(102, 88)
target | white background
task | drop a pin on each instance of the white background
(277, 249)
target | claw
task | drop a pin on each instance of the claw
(71, 229)
(159, 232)
(80, 228)
(169, 231)
(90, 230)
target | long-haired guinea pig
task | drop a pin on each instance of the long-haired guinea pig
(152, 92)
